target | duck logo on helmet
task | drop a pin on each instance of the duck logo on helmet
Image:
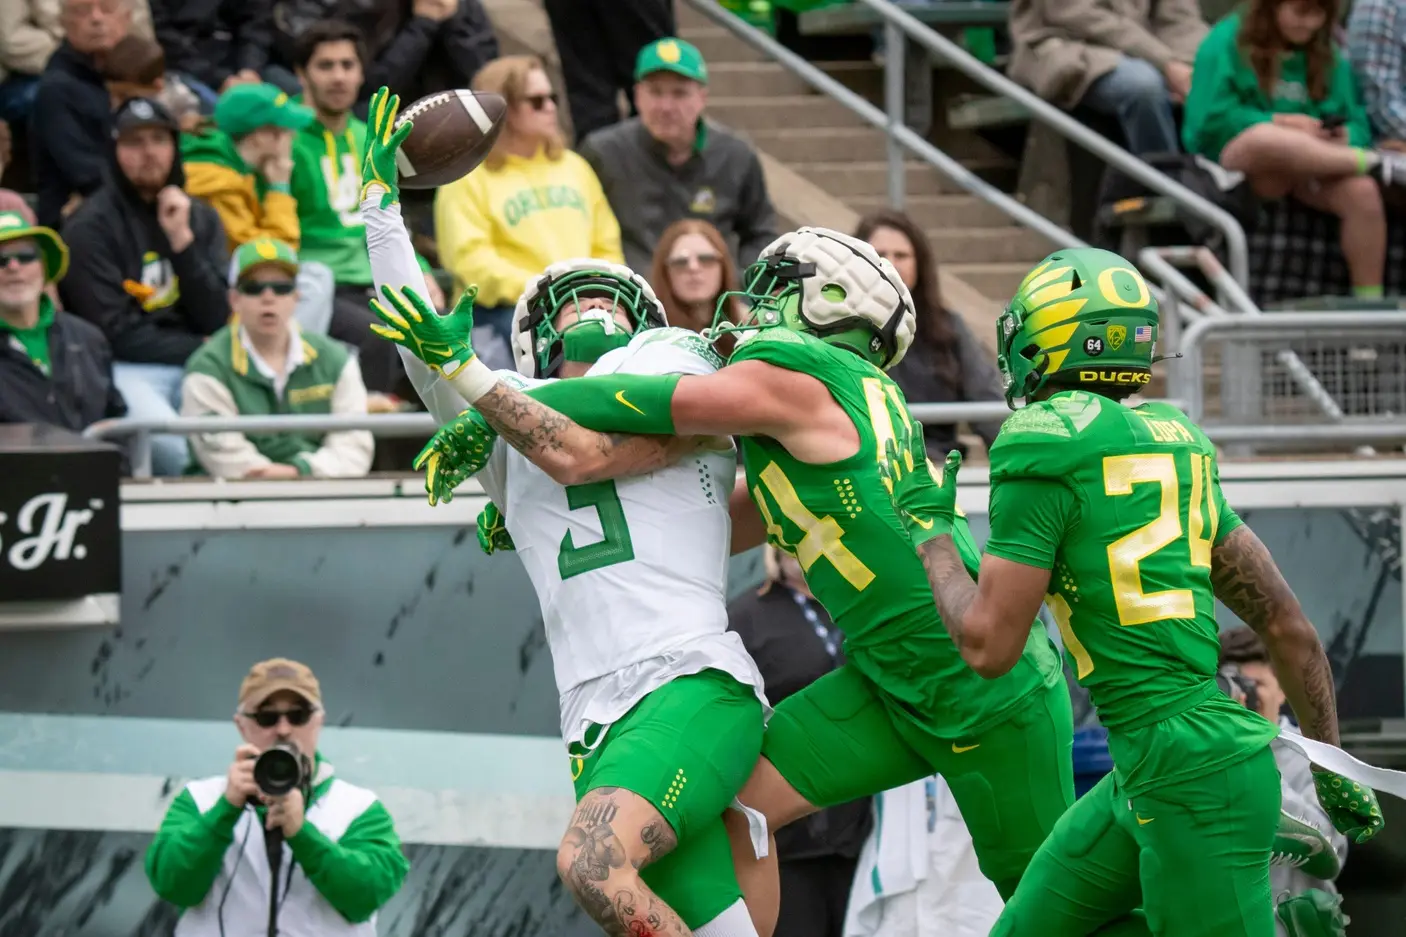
(1087, 376)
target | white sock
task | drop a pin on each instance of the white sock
(734, 922)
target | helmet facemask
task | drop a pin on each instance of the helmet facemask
(596, 292)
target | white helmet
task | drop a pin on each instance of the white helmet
(849, 295)
(537, 346)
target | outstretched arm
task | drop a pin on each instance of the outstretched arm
(1247, 582)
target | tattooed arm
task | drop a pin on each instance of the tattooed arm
(989, 620)
(568, 452)
(1248, 582)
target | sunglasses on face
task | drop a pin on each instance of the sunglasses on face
(682, 261)
(257, 287)
(539, 101)
(268, 718)
(21, 257)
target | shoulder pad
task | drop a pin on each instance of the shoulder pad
(781, 347)
(1046, 439)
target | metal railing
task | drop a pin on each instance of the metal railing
(890, 123)
(1343, 350)
(422, 424)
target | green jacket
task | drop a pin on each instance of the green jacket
(356, 870)
(327, 187)
(222, 380)
(1226, 97)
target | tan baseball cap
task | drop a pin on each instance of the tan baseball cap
(268, 677)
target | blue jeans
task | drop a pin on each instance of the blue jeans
(1136, 94)
(153, 392)
(17, 94)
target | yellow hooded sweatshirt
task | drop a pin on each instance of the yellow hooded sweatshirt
(501, 227)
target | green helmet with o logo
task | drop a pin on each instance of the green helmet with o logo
(1083, 317)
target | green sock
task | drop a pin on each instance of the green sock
(1367, 292)
(1366, 159)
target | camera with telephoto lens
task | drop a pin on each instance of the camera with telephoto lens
(281, 769)
(1229, 678)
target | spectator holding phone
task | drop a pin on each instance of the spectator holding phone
(1275, 99)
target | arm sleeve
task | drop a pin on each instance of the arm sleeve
(184, 859)
(1029, 517)
(24, 47)
(399, 63)
(75, 159)
(253, 34)
(222, 455)
(756, 218)
(361, 871)
(465, 246)
(1375, 38)
(203, 273)
(98, 296)
(1096, 24)
(394, 264)
(596, 404)
(345, 454)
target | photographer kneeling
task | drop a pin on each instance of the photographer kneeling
(277, 845)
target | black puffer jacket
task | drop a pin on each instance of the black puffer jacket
(212, 39)
(78, 390)
(69, 143)
(119, 253)
(411, 55)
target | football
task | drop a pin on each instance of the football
(454, 132)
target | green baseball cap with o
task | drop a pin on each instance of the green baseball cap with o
(259, 252)
(245, 108)
(13, 226)
(672, 55)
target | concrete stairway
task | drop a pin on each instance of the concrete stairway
(825, 166)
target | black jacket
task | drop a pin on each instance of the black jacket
(113, 238)
(791, 656)
(411, 55)
(70, 145)
(77, 392)
(212, 39)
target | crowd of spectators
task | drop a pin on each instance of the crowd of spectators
(167, 139)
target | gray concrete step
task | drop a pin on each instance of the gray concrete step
(941, 211)
(995, 280)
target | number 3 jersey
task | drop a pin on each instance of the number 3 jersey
(840, 522)
(631, 574)
(1123, 505)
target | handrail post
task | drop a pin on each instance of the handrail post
(1236, 244)
(895, 64)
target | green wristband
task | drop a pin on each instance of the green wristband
(614, 403)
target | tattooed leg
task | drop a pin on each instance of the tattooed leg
(613, 834)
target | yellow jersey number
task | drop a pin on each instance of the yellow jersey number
(823, 537)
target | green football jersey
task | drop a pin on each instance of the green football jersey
(840, 522)
(1123, 505)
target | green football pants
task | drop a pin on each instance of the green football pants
(1194, 855)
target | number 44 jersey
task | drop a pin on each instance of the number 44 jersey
(631, 574)
(1123, 505)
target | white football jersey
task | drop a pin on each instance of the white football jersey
(631, 574)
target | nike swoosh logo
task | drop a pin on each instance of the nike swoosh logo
(1141, 821)
(958, 749)
(926, 525)
(620, 396)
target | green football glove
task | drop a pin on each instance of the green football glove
(926, 500)
(492, 531)
(442, 342)
(1352, 807)
(1314, 913)
(383, 140)
(454, 454)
